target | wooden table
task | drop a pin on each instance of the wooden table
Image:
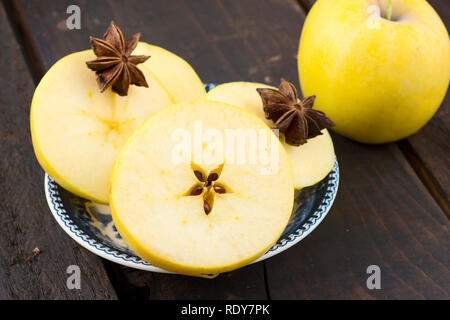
(392, 208)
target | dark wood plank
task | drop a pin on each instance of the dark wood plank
(246, 283)
(380, 197)
(26, 220)
(306, 4)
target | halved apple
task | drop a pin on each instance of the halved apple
(77, 131)
(183, 199)
(173, 72)
(311, 161)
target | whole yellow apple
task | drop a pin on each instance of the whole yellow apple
(379, 76)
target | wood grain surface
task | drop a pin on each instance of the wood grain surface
(383, 213)
(431, 145)
(26, 220)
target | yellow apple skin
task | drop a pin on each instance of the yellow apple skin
(378, 80)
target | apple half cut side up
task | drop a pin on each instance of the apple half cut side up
(380, 74)
(77, 131)
(158, 202)
(311, 161)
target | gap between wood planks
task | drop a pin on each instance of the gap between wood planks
(424, 175)
(416, 163)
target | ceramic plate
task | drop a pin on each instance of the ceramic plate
(90, 224)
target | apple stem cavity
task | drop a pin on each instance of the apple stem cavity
(389, 10)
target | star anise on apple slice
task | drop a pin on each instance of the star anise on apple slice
(297, 120)
(115, 66)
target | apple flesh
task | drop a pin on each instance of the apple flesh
(77, 131)
(379, 80)
(158, 218)
(311, 161)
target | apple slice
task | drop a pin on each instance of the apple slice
(311, 161)
(173, 72)
(167, 213)
(78, 131)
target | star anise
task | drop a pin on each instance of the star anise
(297, 120)
(115, 66)
(208, 184)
